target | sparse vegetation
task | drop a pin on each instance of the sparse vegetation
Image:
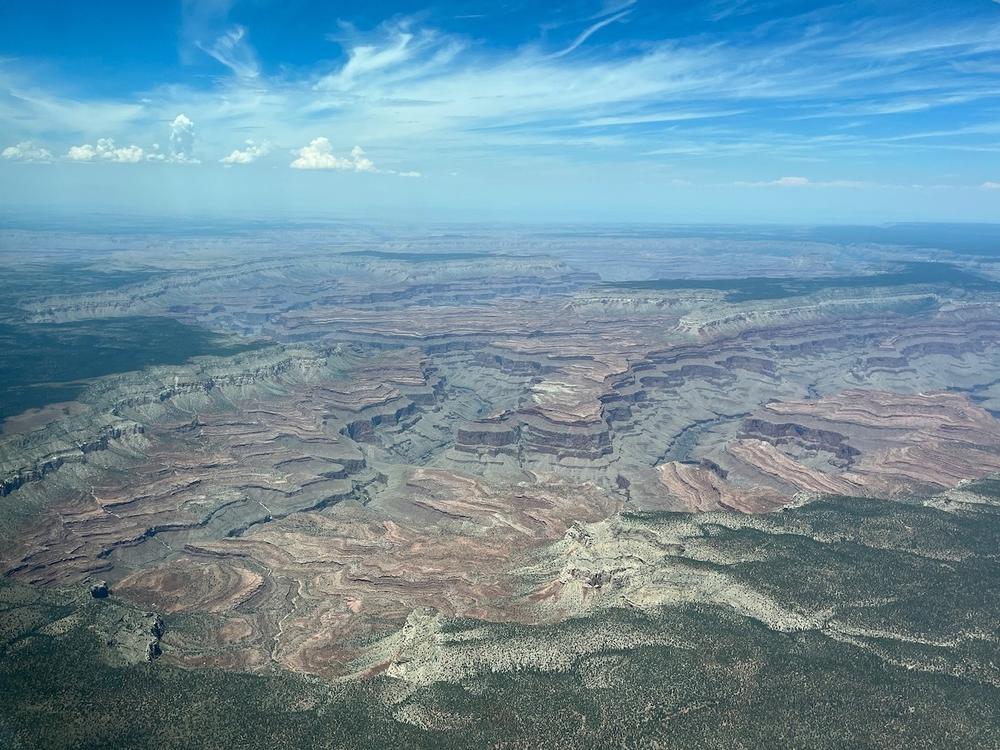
(701, 676)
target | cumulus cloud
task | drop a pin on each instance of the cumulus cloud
(441, 94)
(319, 155)
(361, 162)
(26, 151)
(251, 153)
(106, 150)
(182, 140)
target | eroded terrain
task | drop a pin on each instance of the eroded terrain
(419, 467)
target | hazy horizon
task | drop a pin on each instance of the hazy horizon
(589, 374)
(787, 112)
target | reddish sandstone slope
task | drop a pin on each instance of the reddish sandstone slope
(857, 442)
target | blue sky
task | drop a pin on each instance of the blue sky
(624, 110)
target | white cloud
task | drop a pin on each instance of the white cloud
(457, 100)
(398, 173)
(27, 104)
(86, 152)
(805, 182)
(591, 30)
(397, 54)
(251, 153)
(361, 162)
(205, 26)
(991, 185)
(182, 140)
(658, 117)
(232, 49)
(780, 182)
(792, 181)
(26, 151)
(319, 155)
(106, 150)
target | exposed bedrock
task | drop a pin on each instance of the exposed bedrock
(864, 442)
(75, 452)
(460, 440)
(364, 430)
(643, 405)
(495, 434)
(791, 433)
(301, 590)
(296, 285)
(584, 440)
(703, 488)
(213, 475)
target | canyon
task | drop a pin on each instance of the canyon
(410, 460)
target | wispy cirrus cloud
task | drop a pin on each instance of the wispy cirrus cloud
(406, 87)
(232, 48)
(804, 182)
(206, 28)
(29, 106)
(655, 118)
(588, 32)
